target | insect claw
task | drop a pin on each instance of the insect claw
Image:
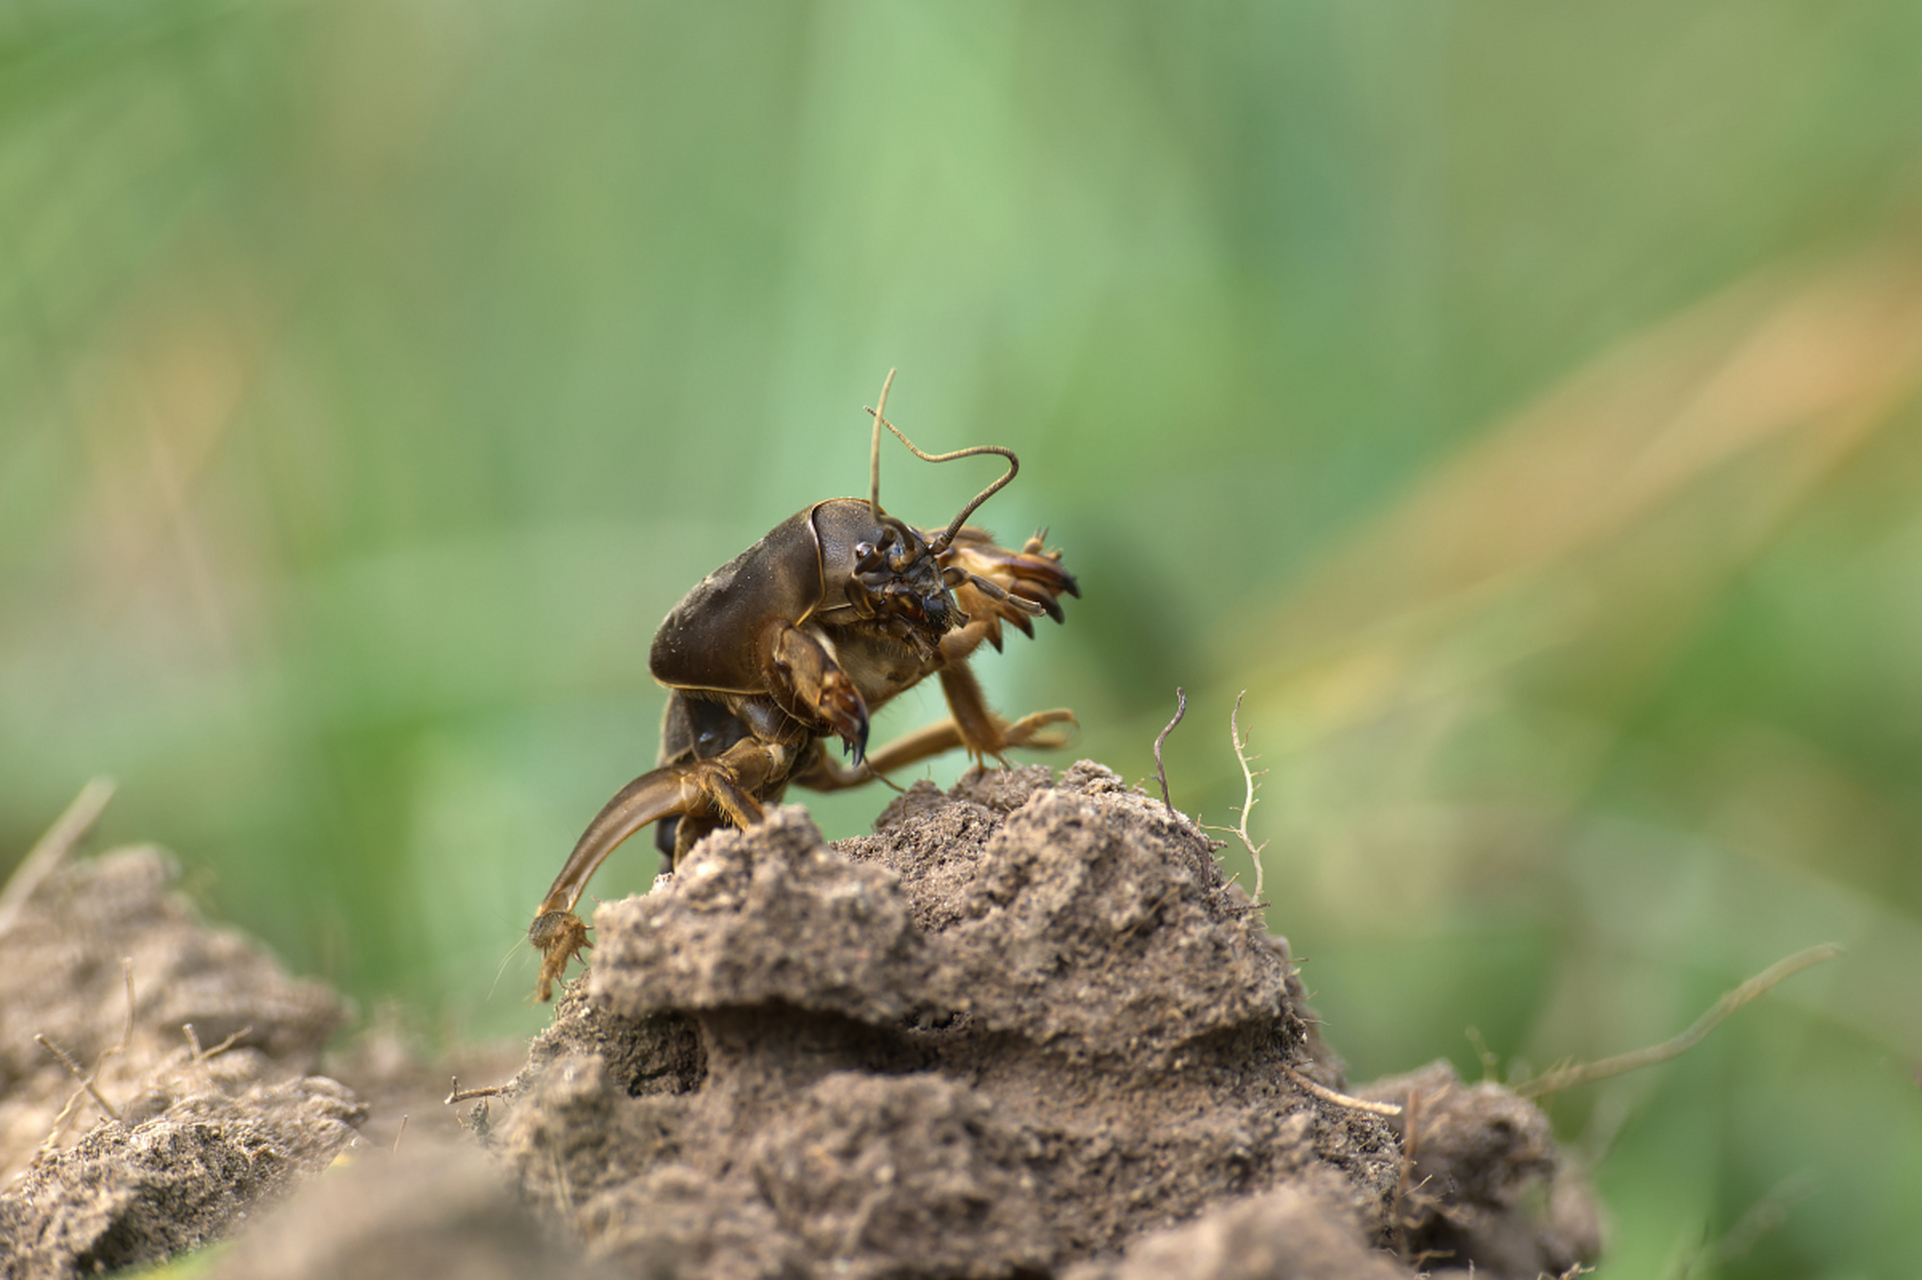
(857, 746)
(1021, 620)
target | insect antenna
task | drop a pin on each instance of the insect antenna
(946, 536)
(874, 450)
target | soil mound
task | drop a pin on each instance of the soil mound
(1024, 1025)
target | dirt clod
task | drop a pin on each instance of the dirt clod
(1484, 1182)
(1284, 1234)
(205, 1135)
(430, 1210)
(134, 1193)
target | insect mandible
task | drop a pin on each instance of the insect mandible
(799, 639)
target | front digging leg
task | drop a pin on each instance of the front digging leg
(973, 726)
(812, 685)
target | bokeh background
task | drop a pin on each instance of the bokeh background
(1519, 401)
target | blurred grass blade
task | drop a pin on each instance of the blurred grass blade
(48, 852)
(1584, 1073)
(1631, 489)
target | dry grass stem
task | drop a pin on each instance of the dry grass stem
(1161, 772)
(51, 1142)
(52, 848)
(87, 1084)
(201, 1055)
(126, 1031)
(88, 1080)
(1491, 1063)
(1583, 1073)
(459, 1094)
(1410, 1145)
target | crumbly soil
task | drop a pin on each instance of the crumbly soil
(1023, 1030)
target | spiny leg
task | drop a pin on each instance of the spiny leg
(994, 585)
(1032, 573)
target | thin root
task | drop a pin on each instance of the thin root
(1248, 801)
(86, 1081)
(1326, 1094)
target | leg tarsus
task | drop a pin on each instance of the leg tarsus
(559, 936)
(1025, 732)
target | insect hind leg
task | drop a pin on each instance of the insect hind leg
(721, 787)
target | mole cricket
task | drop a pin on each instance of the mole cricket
(799, 639)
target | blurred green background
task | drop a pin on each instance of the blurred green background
(1519, 400)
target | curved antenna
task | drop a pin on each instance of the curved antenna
(942, 540)
(874, 451)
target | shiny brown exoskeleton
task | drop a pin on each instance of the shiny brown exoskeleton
(798, 639)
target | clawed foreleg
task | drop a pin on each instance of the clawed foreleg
(973, 726)
(923, 744)
(816, 688)
(995, 585)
